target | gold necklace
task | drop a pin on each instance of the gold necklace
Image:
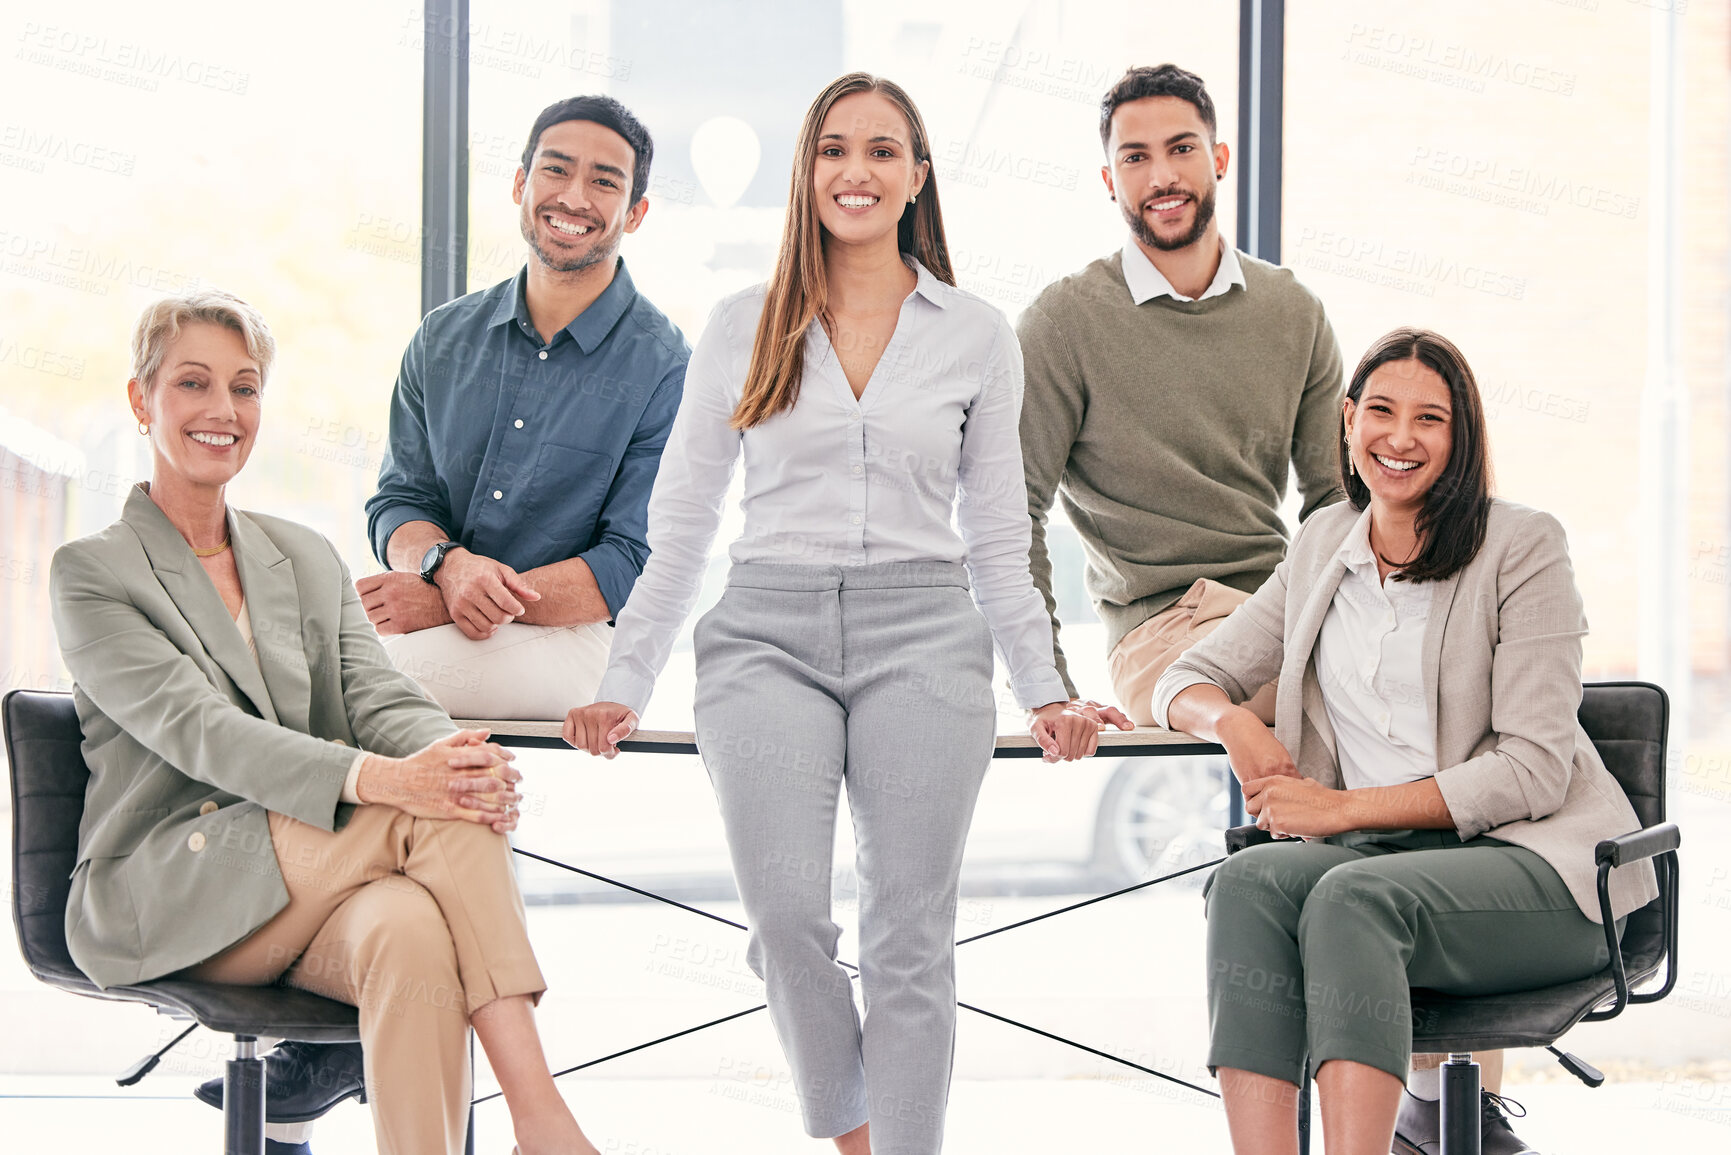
(212, 551)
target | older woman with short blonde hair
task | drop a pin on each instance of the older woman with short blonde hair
(269, 800)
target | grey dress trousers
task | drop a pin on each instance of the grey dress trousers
(877, 677)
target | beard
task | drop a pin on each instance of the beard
(1145, 233)
(605, 245)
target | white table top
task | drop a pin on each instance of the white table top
(1111, 737)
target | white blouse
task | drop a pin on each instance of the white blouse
(926, 465)
(1370, 661)
(1370, 665)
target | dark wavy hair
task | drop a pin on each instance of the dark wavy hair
(608, 113)
(1451, 523)
(1144, 80)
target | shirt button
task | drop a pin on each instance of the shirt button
(859, 469)
(196, 842)
(543, 354)
(853, 416)
(856, 519)
(518, 423)
(207, 808)
(498, 494)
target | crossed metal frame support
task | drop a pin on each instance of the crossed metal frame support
(1005, 1019)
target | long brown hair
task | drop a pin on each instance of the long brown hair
(797, 292)
(1451, 523)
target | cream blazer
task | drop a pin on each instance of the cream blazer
(190, 741)
(1502, 678)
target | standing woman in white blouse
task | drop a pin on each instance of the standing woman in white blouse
(872, 399)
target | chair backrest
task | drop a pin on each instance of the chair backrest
(1627, 722)
(43, 748)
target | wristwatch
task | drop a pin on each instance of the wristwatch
(434, 558)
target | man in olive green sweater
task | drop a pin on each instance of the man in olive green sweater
(1171, 388)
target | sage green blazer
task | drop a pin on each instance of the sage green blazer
(1502, 679)
(190, 741)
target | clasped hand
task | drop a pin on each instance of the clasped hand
(1068, 730)
(463, 776)
(1286, 805)
(598, 728)
(1275, 794)
(475, 593)
(482, 594)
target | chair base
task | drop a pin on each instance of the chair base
(1459, 1108)
(243, 1100)
(1460, 1105)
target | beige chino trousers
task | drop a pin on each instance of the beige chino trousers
(416, 922)
(522, 671)
(1143, 654)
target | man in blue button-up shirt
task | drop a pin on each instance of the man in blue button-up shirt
(526, 428)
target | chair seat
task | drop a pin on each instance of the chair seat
(43, 746)
(1442, 1023)
(279, 1012)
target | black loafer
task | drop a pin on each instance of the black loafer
(1418, 1127)
(273, 1147)
(301, 1082)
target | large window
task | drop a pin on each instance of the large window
(1544, 181)
(270, 151)
(275, 155)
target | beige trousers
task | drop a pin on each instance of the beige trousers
(417, 923)
(521, 672)
(1143, 654)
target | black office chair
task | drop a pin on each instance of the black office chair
(1627, 722)
(48, 777)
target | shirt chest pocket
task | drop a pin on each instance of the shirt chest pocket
(567, 488)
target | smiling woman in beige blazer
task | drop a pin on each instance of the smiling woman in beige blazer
(1426, 639)
(269, 800)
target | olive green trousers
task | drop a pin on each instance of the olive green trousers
(1312, 946)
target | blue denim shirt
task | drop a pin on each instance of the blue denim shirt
(532, 453)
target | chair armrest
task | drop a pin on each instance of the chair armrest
(1639, 845)
(1244, 837)
(1659, 842)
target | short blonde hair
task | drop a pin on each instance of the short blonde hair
(161, 322)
